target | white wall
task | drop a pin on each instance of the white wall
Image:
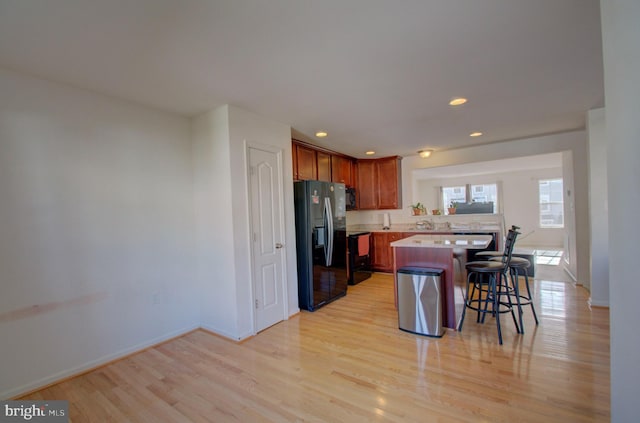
(621, 33)
(99, 204)
(215, 239)
(223, 224)
(96, 230)
(598, 207)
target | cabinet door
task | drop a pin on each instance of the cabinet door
(379, 254)
(382, 255)
(366, 185)
(389, 183)
(324, 166)
(342, 170)
(307, 167)
(391, 237)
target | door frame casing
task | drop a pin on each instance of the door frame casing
(279, 152)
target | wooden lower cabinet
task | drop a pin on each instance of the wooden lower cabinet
(379, 258)
(382, 253)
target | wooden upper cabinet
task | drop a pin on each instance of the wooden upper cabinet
(294, 160)
(342, 170)
(311, 163)
(379, 183)
(306, 163)
(324, 166)
(389, 183)
(366, 182)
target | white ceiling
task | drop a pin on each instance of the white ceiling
(516, 164)
(375, 74)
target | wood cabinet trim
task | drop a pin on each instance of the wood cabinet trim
(322, 149)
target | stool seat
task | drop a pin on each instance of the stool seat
(485, 266)
(519, 262)
(489, 254)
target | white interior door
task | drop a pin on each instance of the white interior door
(268, 244)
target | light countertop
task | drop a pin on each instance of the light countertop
(412, 228)
(475, 242)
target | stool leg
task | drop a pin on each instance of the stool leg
(515, 281)
(487, 299)
(530, 297)
(466, 301)
(503, 290)
(513, 315)
(496, 304)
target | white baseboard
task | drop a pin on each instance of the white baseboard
(571, 275)
(295, 311)
(224, 333)
(597, 303)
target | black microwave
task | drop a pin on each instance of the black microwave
(350, 198)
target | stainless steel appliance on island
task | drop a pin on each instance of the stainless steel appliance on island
(321, 242)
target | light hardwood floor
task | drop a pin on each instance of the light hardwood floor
(348, 362)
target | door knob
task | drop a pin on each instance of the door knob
(278, 245)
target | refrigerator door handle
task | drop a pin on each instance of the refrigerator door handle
(325, 241)
(329, 227)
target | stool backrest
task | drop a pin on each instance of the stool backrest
(510, 242)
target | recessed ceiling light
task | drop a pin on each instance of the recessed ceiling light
(475, 134)
(457, 101)
(321, 134)
(425, 153)
(370, 153)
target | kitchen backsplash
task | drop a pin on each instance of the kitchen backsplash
(403, 218)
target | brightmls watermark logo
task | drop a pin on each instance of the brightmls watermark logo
(34, 411)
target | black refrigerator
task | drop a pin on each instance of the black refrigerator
(321, 242)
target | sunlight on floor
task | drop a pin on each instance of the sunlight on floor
(548, 257)
(553, 299)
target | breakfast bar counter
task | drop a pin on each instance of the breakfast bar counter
(436, 251)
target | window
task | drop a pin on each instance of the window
(551, 203)
(487, 193)
(453, 195)
(482, 198)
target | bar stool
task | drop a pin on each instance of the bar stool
(518, 266)
(495, 287)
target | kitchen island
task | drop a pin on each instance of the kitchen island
(437, 251)
(382, 252)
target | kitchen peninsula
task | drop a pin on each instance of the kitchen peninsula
(436, 251)
(382, 253)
